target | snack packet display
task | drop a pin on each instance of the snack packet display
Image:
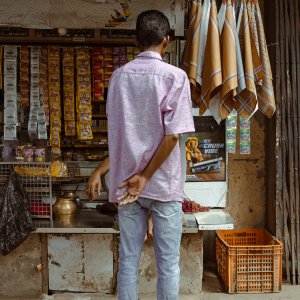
(69, 86)
(245, 139)
(54, 95)
(10, 91)
(83, 92)
(231, 128)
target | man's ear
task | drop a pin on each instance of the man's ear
(166, 41)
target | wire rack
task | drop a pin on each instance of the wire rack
(36, 180)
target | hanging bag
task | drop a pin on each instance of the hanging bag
(15, 218)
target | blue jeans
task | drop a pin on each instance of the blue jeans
(167, 229)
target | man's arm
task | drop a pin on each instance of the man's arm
(94, 183)
(137, 182)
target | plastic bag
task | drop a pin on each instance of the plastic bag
(15, 218)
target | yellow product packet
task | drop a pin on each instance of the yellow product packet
(84, 113)
(69, 112)
(84, 87)
(84, 131)
(70, 128)
(55, 138)
(55, 123)
(55, 110)
(69, 98)
(58, 169)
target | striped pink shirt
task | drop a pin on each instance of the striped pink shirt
(147, 99)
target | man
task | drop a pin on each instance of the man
(148, 106)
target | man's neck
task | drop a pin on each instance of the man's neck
(157, 49)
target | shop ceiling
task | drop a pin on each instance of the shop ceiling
(78, 13)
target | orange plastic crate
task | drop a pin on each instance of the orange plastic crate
(249, 260)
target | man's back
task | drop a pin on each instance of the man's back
(147, 100)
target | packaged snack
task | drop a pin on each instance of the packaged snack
(53, 52)
(68, 84)
(231, 128)
(84, 99)
(42, 135)
(55, 138)
(82, 53)
(19, 152)
(68, 71)
(10, 132)
(245, 139)
(55, 110)
(42, 126)
(40, 154)
(84, 87)
(28, 152)
(10, 84)
(83, 70)
(10, 68)
(10, 52)
(69, 99)
(55, 124)
(70, 128)
(84, 131)
(84, 114)
(35, 68)
(58, 168)
(41, 117)
(10, 115)
(10, 100)
(69, 113)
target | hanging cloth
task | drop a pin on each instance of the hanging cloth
(214, 103)
(254, 40)
(239, 61)
(203, 38)
(212, 72)
(265, 93)
(190, 54)
(229, 63)
(221, 16)
(246, 100)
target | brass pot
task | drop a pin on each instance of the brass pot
(64, 207)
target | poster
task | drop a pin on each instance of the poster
(205, 151)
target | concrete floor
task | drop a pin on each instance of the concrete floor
(212, 290)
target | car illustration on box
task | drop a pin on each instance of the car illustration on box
(207, 165)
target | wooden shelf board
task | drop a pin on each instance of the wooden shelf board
(85, 146)
(99, 129)
(99, 115)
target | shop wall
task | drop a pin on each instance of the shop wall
(18, 275)
(246, 182)
(246, 188)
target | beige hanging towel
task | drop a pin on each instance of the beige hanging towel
(246, 100)
(265, 93)
(229, 63)
(190, 54)
(211, 72)
(254, 42)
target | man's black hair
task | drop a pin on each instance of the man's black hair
(152, 26)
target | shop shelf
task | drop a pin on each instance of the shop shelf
(99, 129)
(36, 180)
(99, 115)
(249, 261)
(85, 146)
